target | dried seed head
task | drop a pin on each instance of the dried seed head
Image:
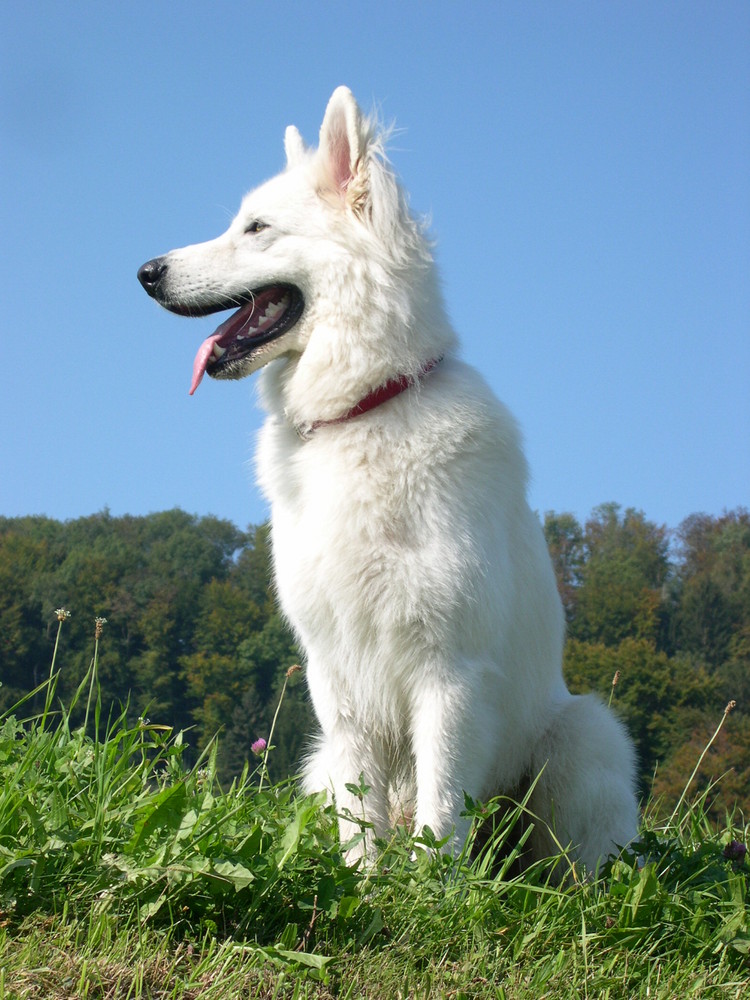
(295, 667)
(99, 624)
(616, 678)
(730, 705)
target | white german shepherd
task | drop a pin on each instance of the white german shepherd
(406, 557)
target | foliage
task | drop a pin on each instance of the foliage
(196, 641)
(623, 568)
(193, 631)
(126, 873)
(673, 626)
(654, 692)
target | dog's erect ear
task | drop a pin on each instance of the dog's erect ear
(343, 140)
(294, 147)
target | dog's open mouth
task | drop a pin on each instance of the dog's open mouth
(267, 314)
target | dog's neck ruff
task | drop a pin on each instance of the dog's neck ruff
(393, 387)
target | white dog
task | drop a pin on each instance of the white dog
(406, 557)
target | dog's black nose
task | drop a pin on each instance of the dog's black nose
(150, 274)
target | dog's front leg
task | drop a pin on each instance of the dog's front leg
(336, 766)
(454, 744)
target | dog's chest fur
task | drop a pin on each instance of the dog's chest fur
(385, 548)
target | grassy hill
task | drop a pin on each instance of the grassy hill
(126, 874)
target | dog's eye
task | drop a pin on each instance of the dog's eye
(256, 226)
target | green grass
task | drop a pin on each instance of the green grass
(126, 874)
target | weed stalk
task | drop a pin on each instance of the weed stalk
(264, 771)
(615, 679)
(62, 616)
(675, 811)
(99, 624)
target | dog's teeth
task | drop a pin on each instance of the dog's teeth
(272, 310)
(218, 351)
(257, 319)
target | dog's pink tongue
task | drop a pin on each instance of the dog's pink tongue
(201, 360)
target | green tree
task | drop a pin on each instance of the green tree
(724, 772)
(264, 658)
(23, 640)
(651, 690)
(712, 587)
(565, 542)
(624, 570)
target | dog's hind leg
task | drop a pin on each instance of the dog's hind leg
(585, 794)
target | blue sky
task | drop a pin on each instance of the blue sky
(586, 168)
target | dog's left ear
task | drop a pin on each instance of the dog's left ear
(294, 147)
(343, 142)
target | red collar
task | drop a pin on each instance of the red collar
(393, 387)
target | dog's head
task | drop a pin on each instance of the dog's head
(316, 246)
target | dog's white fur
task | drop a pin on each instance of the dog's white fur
(406, 557)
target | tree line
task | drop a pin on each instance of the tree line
(666, 614)
(194, 638)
